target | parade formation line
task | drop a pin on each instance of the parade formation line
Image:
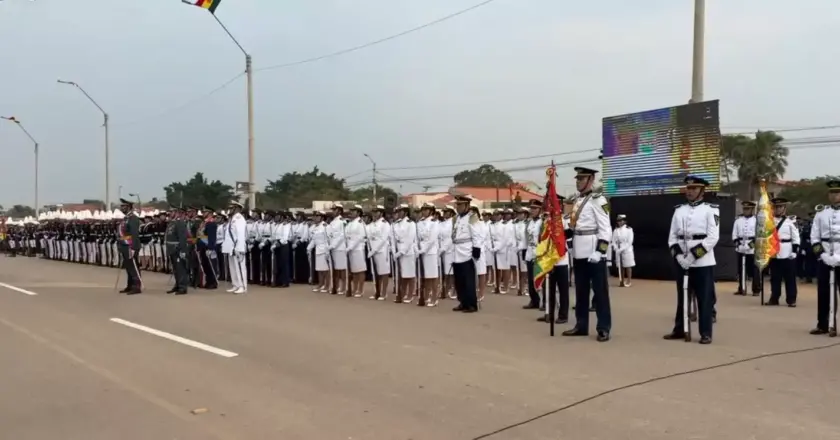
(176, 338)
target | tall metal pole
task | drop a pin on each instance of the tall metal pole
(107, 166)
(699, 49)
(374, 177)
(17, 122)
(249, 71)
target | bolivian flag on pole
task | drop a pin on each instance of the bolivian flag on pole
(210, 5)
(552, 245)
(766, 236)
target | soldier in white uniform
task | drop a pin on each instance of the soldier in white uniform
(622, 244)
(695, 230)
(743, 235)
(825, 241)
(355, 234)
(405, 253)
(520, 234)
(236, 246)
(783, 265)
(338, 250)
(468, 243)
(532, 237)
(447, 250)
(428, 251)
(590, 225)
(319, 246)
(379, 237)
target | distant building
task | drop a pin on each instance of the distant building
(482, 197)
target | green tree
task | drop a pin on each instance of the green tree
(299, 190)
(198, 192)
(485, 176)
(806, 194)
(752, 159)
(365, 194)
(19, 211)
(162, 205)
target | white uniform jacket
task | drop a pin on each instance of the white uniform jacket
(405, 236)
(533, 228)
(695, 230)
(236, 238)
(379, 236)
(335, 234)
(318, 239)
(789, 240)
(743, 234)
(590, 221)
(427, 236)
(466, 235)
(355, 234)
(825, 232)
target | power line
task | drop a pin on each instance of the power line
(487, 162)
(379, 41)
(184, 105)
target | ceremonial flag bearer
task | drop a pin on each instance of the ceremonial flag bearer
(695, 229)
(589, 221)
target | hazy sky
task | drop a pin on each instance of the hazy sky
(514, 78)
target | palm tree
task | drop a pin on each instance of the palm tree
(752, 159)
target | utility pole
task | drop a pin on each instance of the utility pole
(374, 177)
(699, 51)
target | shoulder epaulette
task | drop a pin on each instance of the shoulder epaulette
(677, 206)
(473, 219)
(714, 205)
(595, 195)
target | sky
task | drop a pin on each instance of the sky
(514, 78)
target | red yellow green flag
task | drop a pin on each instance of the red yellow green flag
(552, 245)
(766, 235)
(210, 5)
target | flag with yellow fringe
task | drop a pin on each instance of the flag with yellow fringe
(766, 236)
(552, 245)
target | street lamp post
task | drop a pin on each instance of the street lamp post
(107, 145)
(374, 177)
(699, 51)
(12, 119)
(137, 196)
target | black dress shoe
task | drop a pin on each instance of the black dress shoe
(576, 332)
(592, 309)
(792, 305)
(561, 321)
(818, 331)
(674, 336)
(172, 290)
(771, 303)
(740, 293)
(134, 292)
(181, 292)
(542, 319)
(530, 307)
(705, 340)
(469, 310)
(459, 309)
(603, 336)
(126, 290)
(756, 293)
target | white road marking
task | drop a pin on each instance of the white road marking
(175, 338)
(17, 289)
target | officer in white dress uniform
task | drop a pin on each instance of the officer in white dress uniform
(590, 223)
(236, 246)
(695, 230)
(338, 250)
(468, 243)
(825, 241)
(405, 253)
(502, 240)
(447, 249)
(356, 234)
(622, 244)
(319, 246)
(532, 236)
(783, 265)
(521, 247)
(743, 235)
(379, 237)
(428, 241)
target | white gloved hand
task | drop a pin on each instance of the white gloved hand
(595, 257)
(261, 245)
(792, 256)
(683, 261)
(397, 254)
(829, 260)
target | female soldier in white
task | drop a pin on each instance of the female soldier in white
(520, 234)
(622, 244)
(338, 249)
(355, 234)
(318, 242)
(379, 237)
(447, 251)
(405, 253)
(428, 247)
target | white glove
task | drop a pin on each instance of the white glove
(261, 245)
(273, 247)
(792, 256)
(609, 263)
(829, 260)
(595, 257)
(683, 261)
(294, 245)
(397, 254)
(239, 253)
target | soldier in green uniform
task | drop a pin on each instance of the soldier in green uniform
(176, 248)
(129, 247)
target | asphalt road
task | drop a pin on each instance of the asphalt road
(81, 362)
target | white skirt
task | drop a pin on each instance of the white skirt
(431, 266)
(382, 261)
(487, 257)
(321, 264)
(357, 261)
(512, 259)
(628, 258)
(339, 259)
(408, 266)
(482, 264)
(502, 260)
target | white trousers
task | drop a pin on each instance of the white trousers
(238, 271)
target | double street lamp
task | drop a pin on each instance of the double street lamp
(18, 123)
(107, 146)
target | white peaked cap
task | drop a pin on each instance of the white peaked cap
(42, 216)
(118, 215)
(155, 212)
(198, 212)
